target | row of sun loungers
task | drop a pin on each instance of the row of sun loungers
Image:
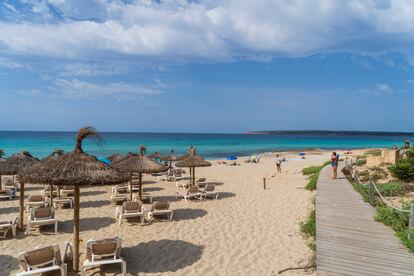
(194, 192)
(41, 216)
(135, 209)
(54, 257)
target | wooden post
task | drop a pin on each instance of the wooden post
(0, 181)
(21, 206)
(76, 230)
(264, 183)
(193, 176)
(411, 222)
(130, 187)
(371, 191)
(140, 187)
(51, 195)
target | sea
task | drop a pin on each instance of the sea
(211, 146)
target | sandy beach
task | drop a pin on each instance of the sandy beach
(247, 231)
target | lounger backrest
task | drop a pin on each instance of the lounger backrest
(209, 188)
(103, 248)
(36, 198)
(40, 257)
(201, 180)
(132, 206)
(192, 189)
(42, 213)
(161, 205)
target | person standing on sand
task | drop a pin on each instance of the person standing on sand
(278, 164)
(334, 164)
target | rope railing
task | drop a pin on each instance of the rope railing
(373, 188)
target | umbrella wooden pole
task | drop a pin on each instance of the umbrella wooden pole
(194, 176)
(51, 195)
(76, 231)
(140, 186)
(0, 182)
(130, 187)
(21, 206)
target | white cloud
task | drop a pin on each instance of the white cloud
(384, 88)
(75, 88)
(213, 30)
(10, 64)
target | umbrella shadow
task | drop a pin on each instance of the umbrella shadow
(8, 264)
(148, 182)
(215, 183)
(161, 256)
(223, 195)
(92, 193)
(166, 198)
(8, 210)
(86, 224)
(188, 214)
(153, 189)
(94, 203)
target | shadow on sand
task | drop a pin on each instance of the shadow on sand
(9, 210)
(188, 214)
(161, 256)
(86, 224)
(8, 264)
(94, 203)
(92, 193)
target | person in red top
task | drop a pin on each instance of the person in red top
(334, 164)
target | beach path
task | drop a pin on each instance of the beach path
(349, 241)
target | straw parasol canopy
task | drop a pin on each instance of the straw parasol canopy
(52, 156)
(139, 163)
(15, 164)
(192, 162)
(114, 157)
(79, 169)
(155, 155)
(170, 157)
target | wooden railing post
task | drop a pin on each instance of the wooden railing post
(371, 191)
(411, 222)
(264, 183)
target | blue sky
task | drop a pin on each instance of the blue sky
(207, 65)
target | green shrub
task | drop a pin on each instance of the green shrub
(398, 221)
(403, 169)
(313, 180)
(309, 228)
(373, 152)
(311, 170)
(392, 188)
(361, 161)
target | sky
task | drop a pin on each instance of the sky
(225, 66)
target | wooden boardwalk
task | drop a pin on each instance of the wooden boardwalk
(348, 239)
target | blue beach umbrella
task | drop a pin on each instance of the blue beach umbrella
(302, 154)
(105, 160)
(232, 158)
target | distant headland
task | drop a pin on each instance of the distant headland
(332, 132)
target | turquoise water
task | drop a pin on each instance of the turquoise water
(41, 144)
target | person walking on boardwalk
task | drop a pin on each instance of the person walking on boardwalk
(334, 164)
(278, 164)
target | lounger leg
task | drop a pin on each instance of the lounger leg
(56, 227)
(171, 216)
(63, 270)
(217, 195)
(123, 266)
(120, 220)
(14, 230)
(27, 229)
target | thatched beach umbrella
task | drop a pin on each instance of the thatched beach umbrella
(170, 157)
(79, 169)
(114, 157)
(192, 162)
(53, 155)
(15, 164)
(139, 163)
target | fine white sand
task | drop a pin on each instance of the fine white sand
(247, 231)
